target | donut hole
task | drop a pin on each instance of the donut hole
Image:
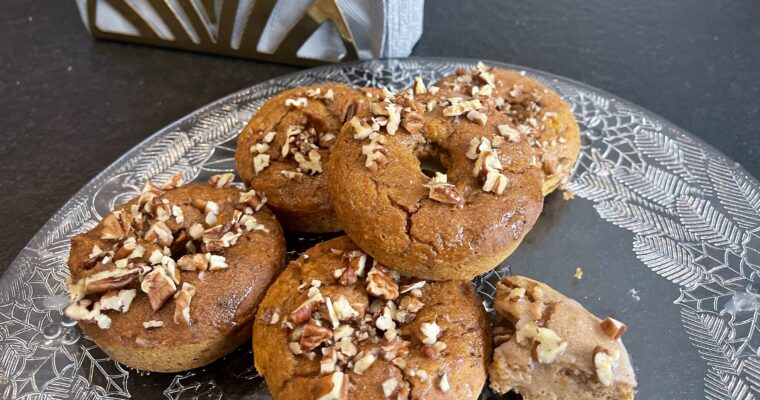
(432, 158)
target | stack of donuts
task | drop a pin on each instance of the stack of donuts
(432, 185)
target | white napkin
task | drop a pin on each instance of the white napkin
(381, 28)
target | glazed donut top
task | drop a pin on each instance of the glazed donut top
(534, 111)
(176, 256)
(283, 149)
(335, 323)
(483, 191)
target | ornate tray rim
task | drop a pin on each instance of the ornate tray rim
(717, 386)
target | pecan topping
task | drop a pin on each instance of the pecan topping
(348, 112)
(312, 165)
(108, 280)
(380, 283)
(174, 182)
(217, 262)
(419, 86)
(613, 328)
(112, 228)
(361, 131)
(389, 386)
(159, 287)
(294, 175)
(364, 362)
(253, 199)
(220, 237)
(459, 106)
(299, 102)
(510, 133)
(333, 387)
(394, 118)
(119, 301)
(413, 122)
(430, 332)
(355, 260)
(182, 301)
(79, 312)
(260, 162)
(149, 192)
(444, 192)
(495, 182)
(443, 384)
(343, 309)
(194, 262)
(303, 312)
(605, 363)
(348, 277)
(375, 151)
(328, 361)
(159, 233)
(153, 324)
(221, 180)
(327, 140)
(313, 336)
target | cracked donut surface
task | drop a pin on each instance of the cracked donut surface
(283, 150)
(426, 181)
(338, 325)
(534, 110)
(171, 281)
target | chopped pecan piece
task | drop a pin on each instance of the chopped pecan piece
(108, 280)
(348, 277)
(303, 312)
(159, 287)
(313, 336)
(355, 260)
(413, 122)
(118, 300)
(174, 182)
(112, 229)
(430, 332)
(194, 262)
(159, 233)
(380, 283)
(364, 361)
(153, 324)
(605, 363)
(253, 199)
(182, 301)
(333, 387)
(613, 328)
(444, 192)
(348, 112)
(221, 180)
(328, 361)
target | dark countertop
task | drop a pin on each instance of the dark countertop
(70, 106)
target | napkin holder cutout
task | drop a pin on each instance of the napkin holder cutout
(227, 27)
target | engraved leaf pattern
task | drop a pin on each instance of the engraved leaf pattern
(669, 259)
(706, 223)
(736, 193)
(690, 212)
(693, 217)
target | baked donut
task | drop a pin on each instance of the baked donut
(283, 150)
(393, 200)
(549, 347)
(336, 325)
(171, 281)
(536, 112)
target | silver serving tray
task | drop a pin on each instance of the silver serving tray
(665, 228)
